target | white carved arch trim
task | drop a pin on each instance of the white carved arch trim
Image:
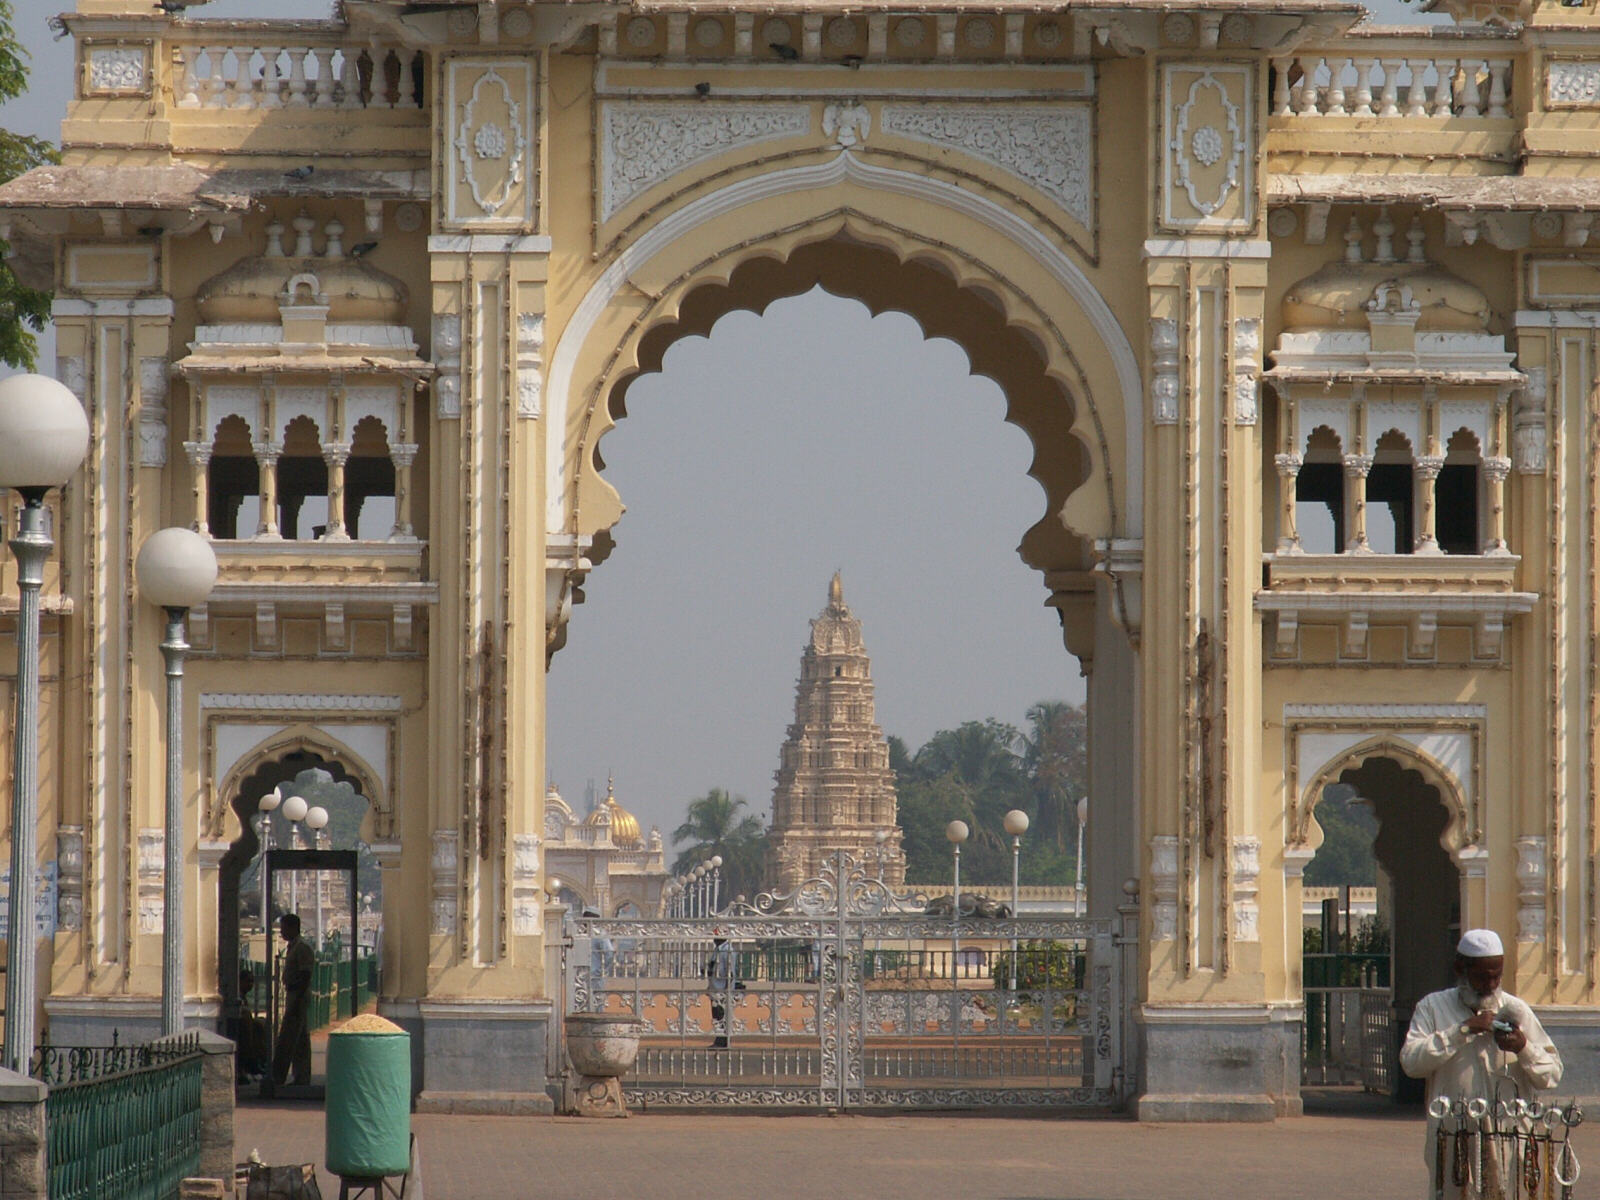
(1477, 416)
(292, 403)
(1332, 413)
(1398, 416)
(238, 748)
(223, 400)
(1442, 742)
(841, 169)
(380, 401)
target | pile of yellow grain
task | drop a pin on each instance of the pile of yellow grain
(368, 1023)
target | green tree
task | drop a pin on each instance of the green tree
(1055, 756)
(713, 825)
(23, 311)
(1348, 827)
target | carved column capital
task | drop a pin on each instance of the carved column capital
(336, 454)
(199, 453)
(267, 453)
(1357, 466)
(1427, 466)
(1496, 468)
(403, 454)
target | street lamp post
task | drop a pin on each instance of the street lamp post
(1077, 878)
(957, 832)
(176, 569)
(294, 811)
(266, 805)
(716, 882)
(317, 822)
(43, 438)
(1016, 824)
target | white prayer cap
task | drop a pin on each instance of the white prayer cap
(1480, 943)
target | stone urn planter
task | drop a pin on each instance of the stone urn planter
(602, 1048)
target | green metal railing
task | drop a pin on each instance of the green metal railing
(122, 1121)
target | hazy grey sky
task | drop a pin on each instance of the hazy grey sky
(757, 462)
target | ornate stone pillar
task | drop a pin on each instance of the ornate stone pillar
(1495, 470)
(1425, 472)
(267, 454)
(335, 454)
(1356, 469)
(1288, 478)
(199, 456)
(404, 456)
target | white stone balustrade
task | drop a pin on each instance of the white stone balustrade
(1319, 84)
(222, 75)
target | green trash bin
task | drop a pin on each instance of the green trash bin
(368, 1120)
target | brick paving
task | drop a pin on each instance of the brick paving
(1348, 1149)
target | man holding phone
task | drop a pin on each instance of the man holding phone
(1462, 1038)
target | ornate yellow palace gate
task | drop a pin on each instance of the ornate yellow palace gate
(360, 298)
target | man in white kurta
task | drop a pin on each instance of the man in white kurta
(1453, 1044)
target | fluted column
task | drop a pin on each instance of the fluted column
(1425, 473)
(199, 455)
(1356, 469)
(336, 454)
(267, 454)
(1288, 477)
(1495, 470)
(403, 455)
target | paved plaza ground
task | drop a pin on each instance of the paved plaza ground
(1347, 1148)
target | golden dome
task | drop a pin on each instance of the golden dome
(1337, 296)
(252, 290)
(625, 830)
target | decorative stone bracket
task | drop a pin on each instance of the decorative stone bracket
(1120, 563)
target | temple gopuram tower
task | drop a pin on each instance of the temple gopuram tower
(835, 790)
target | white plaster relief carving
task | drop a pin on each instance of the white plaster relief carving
(447, 357)
(1246, 369)
(73, 372)
(489, 143)
(847, 124)
(1528, 423)
(1164, 368)
(69, 876)
(1183, 148)
(153, 412)
(295, 702)
(152, 871)
(116, 69)
(1530, 888)
(380, 401)
(1163, 888)
(232, 400)
(1048, 146)
(530, 363)
(1386, 712)
(1573, 83)
(1246, 866)
(443, 864)
(643, 144)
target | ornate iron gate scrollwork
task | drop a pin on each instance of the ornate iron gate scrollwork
(856, 997)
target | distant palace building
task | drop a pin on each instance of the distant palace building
(602, 861)
(834, 786)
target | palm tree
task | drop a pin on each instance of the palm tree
(1055, 756)
(979, 756)
(714, 826)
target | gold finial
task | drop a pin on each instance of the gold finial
(836, 590)
(611, 791)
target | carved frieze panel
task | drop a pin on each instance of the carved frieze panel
(643, 144)
(490, 145)
(1050, 147)
(1208, 146)
(117, 70)
(1572, 84)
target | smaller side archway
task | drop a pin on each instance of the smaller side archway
(1421, 850)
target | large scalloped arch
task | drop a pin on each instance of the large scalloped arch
(1457, 833)
(571, 458)
(303, 738)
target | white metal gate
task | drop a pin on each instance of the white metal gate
(854, 997)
